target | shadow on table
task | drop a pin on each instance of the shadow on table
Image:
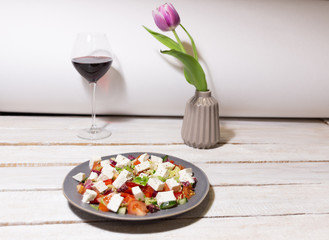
(152, 226)
(226, 134)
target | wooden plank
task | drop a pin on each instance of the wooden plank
(40, 207)
(300, 227)
(63, 130)
(279, 131)
(150, 130)
(228, 153)
(51, 177)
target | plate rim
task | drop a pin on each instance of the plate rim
(115, 216)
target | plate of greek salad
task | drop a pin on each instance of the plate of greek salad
(136, 186)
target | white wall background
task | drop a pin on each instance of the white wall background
(265, 58)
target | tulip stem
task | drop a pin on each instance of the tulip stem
(195, 52)
(179, 41)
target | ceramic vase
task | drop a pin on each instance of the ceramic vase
(201, 121)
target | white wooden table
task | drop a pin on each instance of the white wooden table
(269, 178)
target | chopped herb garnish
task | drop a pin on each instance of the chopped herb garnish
(96, 207)
(141, 180)
(174, 172)
(149, 201)
(128, 169)
(162, 179)
(84, 180)
(165, 158)
(102, 201)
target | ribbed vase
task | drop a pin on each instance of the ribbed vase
(201, 121)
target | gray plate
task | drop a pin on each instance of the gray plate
(201, 190)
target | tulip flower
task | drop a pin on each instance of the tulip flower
(167, 19)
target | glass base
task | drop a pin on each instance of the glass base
(94, 133)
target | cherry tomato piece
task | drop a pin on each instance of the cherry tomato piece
(102, 207)
(137, 162)
(127, 197)
(97, 166)
(108, 181)
(148, 191)
(138, 208)
(187, 191)
(81, 189)
(166, 188)
(178, 195)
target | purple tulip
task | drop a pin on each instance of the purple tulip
(166, 17)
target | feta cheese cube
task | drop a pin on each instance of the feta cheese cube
(102, 177)
(121, 161)
(186, 171)
(93, 176)
(186, 178)
(144, 157)
(115, 202)
(100, 186)
(168, 165)
(129, 175)
(88, 196)
(123, 177)
(108, 171)
(165, 197)
(142, 166)
(185, 175)
(138, 194)
(79, 177)
(143, 175)
(173, 185)
(105, 163)
(94, 159)
(161, 171)
(156, 184)
(155, 161)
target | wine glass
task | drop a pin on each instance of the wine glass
(92, 58)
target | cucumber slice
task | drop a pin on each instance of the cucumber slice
(167, 205)
(122, 210)
(182, 201)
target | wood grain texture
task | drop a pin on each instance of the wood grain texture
(26, 207)
(269, 177)
(62, 130)
(296, 227)
(227, 153)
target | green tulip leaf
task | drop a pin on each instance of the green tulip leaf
(187, 77)
(164, 40)
(193, 71)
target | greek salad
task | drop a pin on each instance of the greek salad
(135, 185)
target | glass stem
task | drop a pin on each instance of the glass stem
(93, 106)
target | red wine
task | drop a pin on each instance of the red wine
(92, 68)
